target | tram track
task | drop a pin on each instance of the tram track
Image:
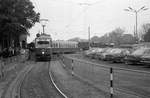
(17, 88)
(21, 82)
(14, 90)
(55, 85)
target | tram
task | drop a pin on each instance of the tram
(65, 47)
(43, 47)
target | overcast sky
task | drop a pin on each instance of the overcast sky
(70, 18)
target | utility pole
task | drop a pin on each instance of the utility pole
(130, 9)
(136, 25)
(134, 32)
(87, 5)
(89, 31)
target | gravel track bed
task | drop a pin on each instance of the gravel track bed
(10, 74)
(38, 85)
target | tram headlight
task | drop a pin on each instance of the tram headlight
(42, 52)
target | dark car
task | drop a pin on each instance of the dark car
(137, 56)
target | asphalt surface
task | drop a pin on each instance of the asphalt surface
(127, 84)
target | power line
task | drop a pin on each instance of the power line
(85, 4)
(77, 18)
(36, 2)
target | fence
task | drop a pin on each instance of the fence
(6, 64)
(112, 82)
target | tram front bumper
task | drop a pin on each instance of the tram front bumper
(43, 55)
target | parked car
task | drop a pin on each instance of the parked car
(97, 52)
(103, 55)
(87, 52)
(94, 52)
(90, 52)
(108, 55)
(117, 55)
(137, 57)
(146, 57)
(100, 55)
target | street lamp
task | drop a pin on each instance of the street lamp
(130, 9)
(43, 23)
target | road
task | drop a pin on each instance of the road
(91, 80)
(127, 83)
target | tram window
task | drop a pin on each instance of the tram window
(53, 45)
(43, 42)
(56, 45)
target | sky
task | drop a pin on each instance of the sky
(71, 18)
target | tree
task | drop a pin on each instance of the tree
(16, 17)
(145, 28)
(18, 11)
(104, 39)
(95, 39)
(147, 36)
(128, 39)
(116, 36)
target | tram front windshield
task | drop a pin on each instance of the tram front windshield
(43, 44)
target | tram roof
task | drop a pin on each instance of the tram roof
(63, 41)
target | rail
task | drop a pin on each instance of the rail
(22, 81)
(14, 90)
(52, 80)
